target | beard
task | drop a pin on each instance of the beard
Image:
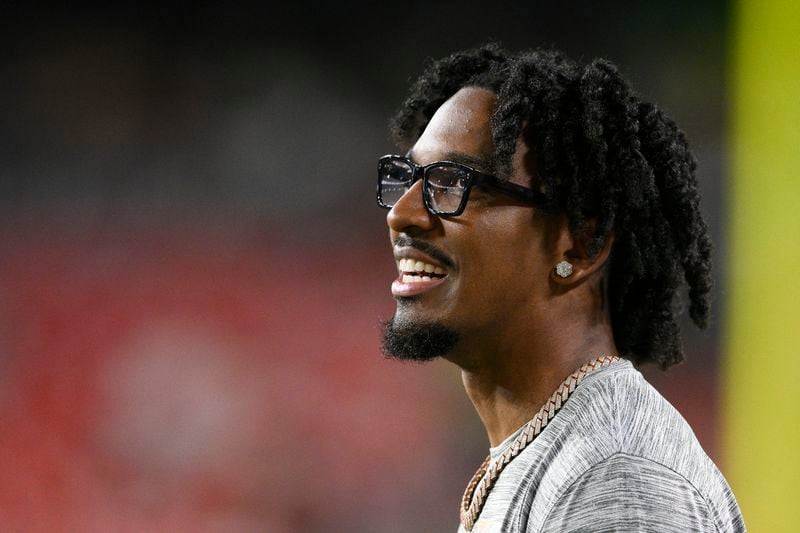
(419, 342)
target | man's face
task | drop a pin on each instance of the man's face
(490, 268)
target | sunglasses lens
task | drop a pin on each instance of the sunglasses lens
(394, 179)
(446, 186)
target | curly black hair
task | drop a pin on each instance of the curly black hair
(602, 154)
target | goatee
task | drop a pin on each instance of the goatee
(414, 341)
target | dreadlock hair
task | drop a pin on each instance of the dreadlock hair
(601, 154)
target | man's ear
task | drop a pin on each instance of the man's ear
(576, 263)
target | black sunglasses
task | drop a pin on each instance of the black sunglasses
(445, 184)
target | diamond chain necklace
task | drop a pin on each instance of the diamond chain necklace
(484, 479)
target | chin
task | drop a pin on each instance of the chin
(410, 339)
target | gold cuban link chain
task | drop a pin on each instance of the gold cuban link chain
(482, 482)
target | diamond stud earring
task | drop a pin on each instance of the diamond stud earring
(564, 269)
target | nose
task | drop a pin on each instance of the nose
(410, 212)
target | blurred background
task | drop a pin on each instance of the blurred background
(193, 267)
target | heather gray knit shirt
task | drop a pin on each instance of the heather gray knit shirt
(617, 457)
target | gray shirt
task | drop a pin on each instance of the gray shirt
(617, 457)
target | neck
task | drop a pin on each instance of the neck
(509, 383)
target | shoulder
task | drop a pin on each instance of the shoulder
(618, 441)
(631, 493)
(619, 412)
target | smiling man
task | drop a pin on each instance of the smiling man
(543, 219)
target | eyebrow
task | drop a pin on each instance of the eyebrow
(465, 159)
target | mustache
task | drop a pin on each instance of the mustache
(427, 249)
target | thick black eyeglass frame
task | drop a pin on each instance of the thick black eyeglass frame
(473, 177)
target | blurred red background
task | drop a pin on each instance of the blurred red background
(204, 380)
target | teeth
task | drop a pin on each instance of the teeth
(410, 278)
(411, 265)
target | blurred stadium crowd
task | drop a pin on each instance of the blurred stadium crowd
(193, 269)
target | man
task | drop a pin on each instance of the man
(542, 220)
